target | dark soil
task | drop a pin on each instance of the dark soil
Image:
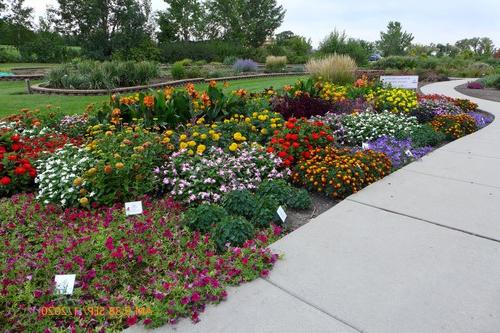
(320, 204)
(490, 94)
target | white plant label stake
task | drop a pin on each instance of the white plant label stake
(409, 153)
(133, 208)
(65, 284)
(282, 214)
(365, 146)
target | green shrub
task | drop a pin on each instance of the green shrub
(185, 62)
(9, 54)
(491, 81)
(339, 43)
(195, 72)
(214, 50)
(200, 63)
(478, 69)
(102, 75)
(396, 62)
(204, 217)
(300, 200)
(178, 71)
(334, 68)
(240, 203)
(276, 64)
(277, 188)
(424, 136)
(234, 230)
(265, 211)
(230, 60)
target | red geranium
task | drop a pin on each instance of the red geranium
(298, 138)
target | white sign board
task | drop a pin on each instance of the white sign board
(282, 214)
(405, 82)
(133, 208)
(65, 284)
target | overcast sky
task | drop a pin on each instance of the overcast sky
(428, 20)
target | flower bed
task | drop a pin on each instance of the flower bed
(211, 169)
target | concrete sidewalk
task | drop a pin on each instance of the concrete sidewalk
(415, 252)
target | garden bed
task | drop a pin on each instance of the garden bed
(489, 94)
(212, 170)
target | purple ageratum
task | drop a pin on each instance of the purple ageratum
(245, 65)
(400, 152)
(481, 119)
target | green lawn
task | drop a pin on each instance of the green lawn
(13, 95)
(7, 67)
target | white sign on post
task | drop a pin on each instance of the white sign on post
(65, 284)
(405, 82)
(282, 214)
(133, 208)
(365, 146)
(409, 153)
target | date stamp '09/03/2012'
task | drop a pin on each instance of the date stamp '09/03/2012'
(95, 311)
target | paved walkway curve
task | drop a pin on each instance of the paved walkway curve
(418, 251)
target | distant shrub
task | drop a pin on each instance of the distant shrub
(396, 62)
(245, 65)
(102, 75)
(214, 50)
(178, 71)
(491, 81)
(479, 69)
(334, 68)
(276, 64)
(338, 43)
(229, 61)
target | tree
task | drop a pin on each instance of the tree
(21, 20)
(249, 22)
(104, 27)
(338, 42)
(182, 21)
(395, 41)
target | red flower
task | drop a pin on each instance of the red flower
(270, 150)
(15, 138)
(16, 147)
(282, 154)
(12, 157)
(315, 136)
(295, 145)
(131, 321)
(290, 125)
(20, 171)
(329, 138)
(306, 154)
(5, 181)
(32, 173)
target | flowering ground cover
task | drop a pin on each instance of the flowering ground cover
(211, 168)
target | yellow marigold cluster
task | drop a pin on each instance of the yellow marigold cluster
(332, 92)
(395, 100)
(340, 172)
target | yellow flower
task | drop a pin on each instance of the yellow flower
(84, 201)
(166, 140)
(215, 137)
(169, 133)
(183, 145)
(183, 137)
(78, 181)
(233, 146)
(237, 136)
(263, 131)
(190, 152)
(201, 149)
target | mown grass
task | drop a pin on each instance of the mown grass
(13, 96)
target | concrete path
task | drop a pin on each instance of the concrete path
(417, 252)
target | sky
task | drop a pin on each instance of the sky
(438, 21)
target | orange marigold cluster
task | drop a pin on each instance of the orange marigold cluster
(454, 126)
(340, 172)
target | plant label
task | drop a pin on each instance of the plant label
(404, 82)
(365, 146)
(282, 214)
(65, 284)
(133, 208)
(409, 153)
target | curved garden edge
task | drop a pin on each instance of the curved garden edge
(41, 89)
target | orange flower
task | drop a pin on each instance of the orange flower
(149, 101)
(213, 84)
(108, 169)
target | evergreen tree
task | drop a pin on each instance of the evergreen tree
(395, 41)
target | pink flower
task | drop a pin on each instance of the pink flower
(195, 297)
(37, 293)
(131, 321)
(109, 244)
